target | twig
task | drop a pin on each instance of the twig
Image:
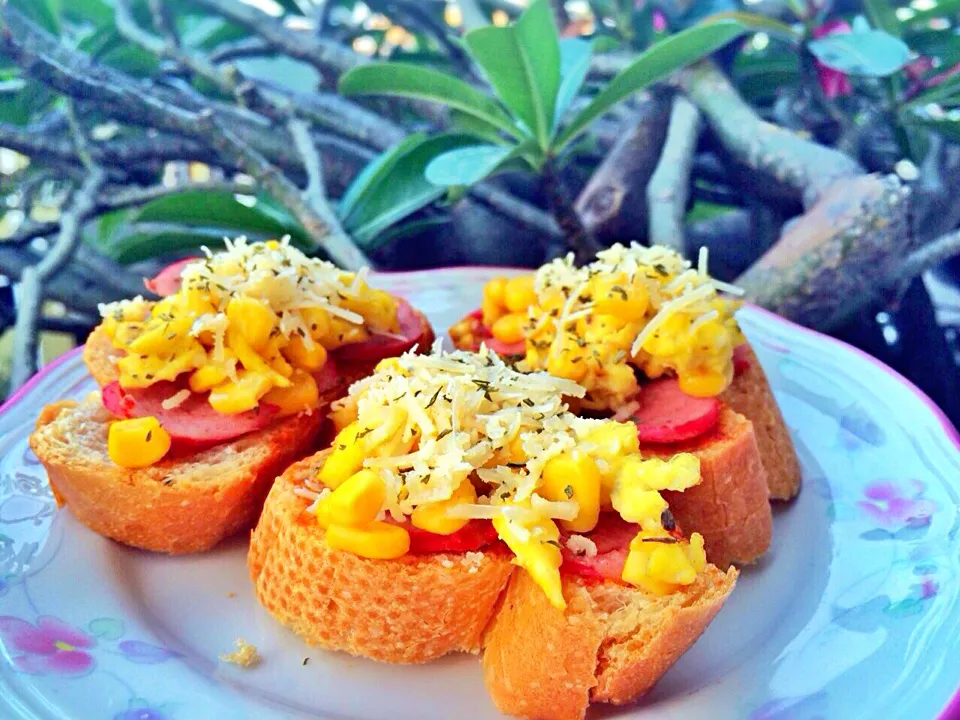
(34, 276)
(239, 49)
(314, 193)
(170, 47)
(473, 16)
(160, 14)
(415, 10)
(525, 214)
(320, 52)
(922, 259)
(669, 187)
(111, 198)
(315, 220)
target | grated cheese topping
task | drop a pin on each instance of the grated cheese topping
(465, 409)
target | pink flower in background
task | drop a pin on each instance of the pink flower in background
(893, 505)
(833, 82)
(659, 21)
(50, 648)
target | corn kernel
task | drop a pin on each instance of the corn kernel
(251, 360)
(668, 563)
(702, 384)
(574, 476)
(493, 291)
(378, 540)
(569, 365)
(342, 332)
(354, 503)
(537, 554)
(317, 320)
(679, 473)
(432, 517)
(638, 505)
(490, 312)
(253, 319)
(138, 442)
(509, 328)
(345, 459)
(518, 293)
(301, 395)
(310, 358)
(624, 302)
(240, 395)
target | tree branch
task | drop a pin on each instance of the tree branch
(669, 188)
(30, 303)
(524, 213)
(322, 53)
(924, 258)
(807, 167)
(239, 49)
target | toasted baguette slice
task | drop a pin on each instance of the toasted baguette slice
(730, 506)
(750, 395)
(611, 644)
(408, 610)
(100, 357)
(176, 506)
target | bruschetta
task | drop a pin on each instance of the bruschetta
(653, 339)
(210, 392)
(462, 507)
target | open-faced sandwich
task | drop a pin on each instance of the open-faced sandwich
(209, 393)
(447, 471)
(654, 340)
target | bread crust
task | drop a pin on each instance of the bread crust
(611, 644)
(175, 506)
(751, 396)
(730, 507)
(409, 610)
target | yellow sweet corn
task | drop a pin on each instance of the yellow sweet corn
(611, 295)
(251, 360)
(518, 293)
(310, 358)
(659, 564)
(254, 320)
(318, 322)
(493, 291)
(703, 384)
(345, 458)
(432, 517)
(568, 363)
(301, 395)
(538, 554)
(138, 442)
(574, 476)
(240, 395)
(354, 503)
(509, 328)
(378, 540)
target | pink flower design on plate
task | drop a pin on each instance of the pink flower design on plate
(51, 647)
(891, 504)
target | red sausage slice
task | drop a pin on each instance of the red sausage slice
(384, 345)
(472, 536)
(192, 421)
(167, 281)
(504, 348)
(612, 537)
(741, 359)
(668, 415)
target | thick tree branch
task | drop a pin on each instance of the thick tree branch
(669, 188)
(525, 214)
(613, 204)
(805, 166)
(924, 258)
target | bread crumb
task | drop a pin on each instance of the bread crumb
(471, 561)
(231, 594)
(244, 654)
(447, 563)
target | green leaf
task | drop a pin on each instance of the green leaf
(945, 93)
(874, 54)
(466, 166)
(575, 57)
(414, 81)
(45, 13)
(469, 125)
(654, 64)
(96, 12)
(106, 628)
(405, 229)
(883, 16)
(761, 23)
(24, 99)
(393, 186)
(522, 63)
(950, 129)
(140, 241)
(205, 207)
(131, 59)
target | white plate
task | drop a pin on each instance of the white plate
(852, 614)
